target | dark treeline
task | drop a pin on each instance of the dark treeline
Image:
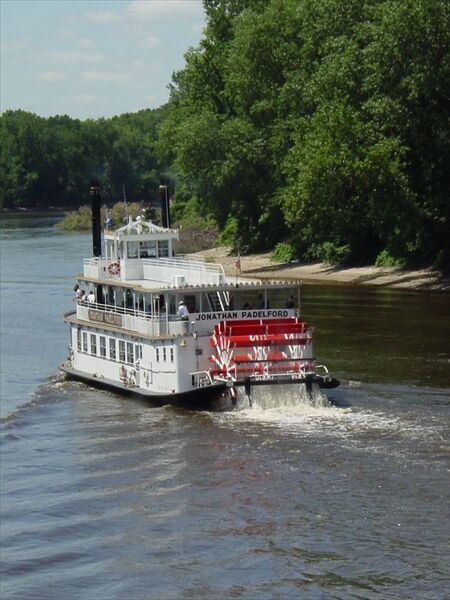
(321, 124)
(51, 161)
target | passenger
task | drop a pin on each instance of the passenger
(83, 296)
(262, 303)
(91, 297)
(77, 292)
(183, 312)
(290, 302)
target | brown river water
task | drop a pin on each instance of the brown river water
(107, 498)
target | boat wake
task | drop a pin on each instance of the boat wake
(275, 397)
(362, 424)
(51, 391)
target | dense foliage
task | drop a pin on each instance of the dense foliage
(316, 127)
(51, 162)
(319, 123)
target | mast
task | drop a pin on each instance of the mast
(96, 224)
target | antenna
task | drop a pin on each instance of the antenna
(125, 201)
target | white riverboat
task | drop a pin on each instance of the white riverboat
(176, 329)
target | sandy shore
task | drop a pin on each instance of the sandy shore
(260, 265)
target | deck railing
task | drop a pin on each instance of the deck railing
(170, 271)
(132, 319)
(178, 271)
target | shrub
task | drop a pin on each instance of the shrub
(76, 220)
(229, 233)
(385, 259)
(283, 252)
(329, 253)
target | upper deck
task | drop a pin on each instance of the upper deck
(141, 282)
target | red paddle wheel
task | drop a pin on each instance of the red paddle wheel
(262, 349)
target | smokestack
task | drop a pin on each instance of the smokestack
(165, 209)
(96, 224)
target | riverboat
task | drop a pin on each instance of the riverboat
(177, 330)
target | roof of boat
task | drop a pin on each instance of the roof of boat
(142, 228)
(231, 284)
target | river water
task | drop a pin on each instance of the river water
(106, 498)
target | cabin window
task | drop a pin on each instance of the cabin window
(93, 344)
(130, 353)
(79, 340)
(85, 342)
(112, 348)
(132, 249)
(171, 354)
(102, 342)
(157, 354)
(147, 249)
(138, 351)
(121, 350)
(163, 248)
(164, 354)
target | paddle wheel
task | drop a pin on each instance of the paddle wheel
(262, 350)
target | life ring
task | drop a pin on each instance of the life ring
(114, 269)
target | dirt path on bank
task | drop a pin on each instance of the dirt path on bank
(260, 265)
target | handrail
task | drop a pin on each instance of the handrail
(188, 264)
(133, 312)
(122, 310)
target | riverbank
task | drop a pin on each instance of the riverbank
(260, 265)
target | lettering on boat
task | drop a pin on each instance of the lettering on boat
(245, 314)
(104, 317)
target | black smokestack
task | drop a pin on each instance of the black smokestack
(165, 209)
(96, 225)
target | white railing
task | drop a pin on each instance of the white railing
(177, 271)
(172, 271)
(132, 319)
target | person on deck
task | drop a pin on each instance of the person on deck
(183, 312)
(290, 302)
(77, 292)
(91, 297)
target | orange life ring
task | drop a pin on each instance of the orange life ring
(114, 269)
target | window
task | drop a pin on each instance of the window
(157, 354)
(85, 342)
(102, 341)
(130, 353)
(132, 249)
(93, 344)
(163, 248)
(147, 249)
(112, 348)
(164, 354)
(171, 354)
(121, 350)
(79, 340)
(138, 351)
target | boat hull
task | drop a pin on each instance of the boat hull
(204, 398)
(215, 397)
